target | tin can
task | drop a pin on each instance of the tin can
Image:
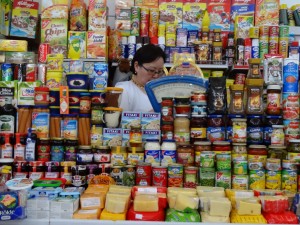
(289, 180)
(263, 46)
(223, 179)
(105, 168)
(240, 167)
(175, 175)
(240, 182)
(20, 169)
(19, 71)
(190, 177)
(294, 156)
(273, 31)
(129, 176)
(44, 50)
(255, 164)
(143, 174)
(283, 46)
(66, 172)
(289, 164)
(7, 72)
(273, 164)
(257, 179)
(207, 177)
(92, 170)
(135, 21)
(79, 175)
(52, 169)
(284, 31)
(273, 45)
(159, 176)
(36, 170)
(31, 72)
(273, 180)
(240, 78)
(291, 130)
(264, 31)
(57, 149)
(41, 68)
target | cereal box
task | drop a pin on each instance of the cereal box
(55, 32)
(24, 18)
(130, 118)
(96, 45)
(193, 12)
(55, 9)
(125, 138)
(267, 12)
(242, 26)
(5, 15)
(77, 45)
(241, 8)
(151, 3)
(171, 11)
(88, 67)
(97, 15)
(123, 22)
(150, 135)
(150, 121)
(112, 137)
(219, 13)
(76, 66)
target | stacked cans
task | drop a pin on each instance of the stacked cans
(21, 72)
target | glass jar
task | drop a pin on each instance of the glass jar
(198, 128)
(118, 155)
(198, 98)
(185, 155)
(152, 152)
(221, 146)
(167, 131)
(215, 128)
(84, 155)
(239, 130)
(217, 53)
(135, 135)
(85, 103)
(135, 155)
(254, 96)
(182, 129)
(102, 154)
(277, 152)
(254, 129)
(258, 152)
(236, 105)
(239, 148)
(167, 110)
(294, 146)
(112, 116)
(57, 149)
(97, 114)
(273, 100)
(41, 96)
(199, 147)
(269, 122)
(277, 136)
(43, 149)
(229, 124)
(168, 152)
(254, 69)
(71, 147)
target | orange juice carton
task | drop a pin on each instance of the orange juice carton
(55, 33)
(267, 12)
(171, 11)
(77, 45)
(24, 18)
(96, 45)
(97, 15)
(219, 14)
(55, 9)
(241, 8)
(193, 12)
(147, 3)
(242, 26)
(5, 15)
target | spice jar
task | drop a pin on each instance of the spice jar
(182, 129)
(198, 128)
(269, 122)
(239, 148)
(135, 136)
(41, 96)
(273, 100)
(168, 152)
(254, 129)
(258, 152)
(254, 96)
(215, 128)
(85, 103)
(236, 105)
(199, 147)
(254, 69)
(217, 53)
(185, 155)
(167, 131)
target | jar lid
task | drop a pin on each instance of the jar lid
(239, 144)
(239, 120)
(231, 116)
(97, 91)
(277, 147)
(85, 147)
(70, 115)
(254, 116)
(103, 147)
(182, 115)
(113, 109)
(274, 87)
(202, 143)
(273, 117)
(254, 61)
(294, 141)
(258, 146)
(46, 89)
(57, 139)
(278, 126)
(56, 115)
(136, 126)
(215, 116)
(114, 90)
(221, 143)
(85, 94)
(135, 149)
(182, 97)
(167, 98)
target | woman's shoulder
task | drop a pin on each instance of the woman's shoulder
(124, 84)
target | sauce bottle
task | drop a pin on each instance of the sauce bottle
(78, 16)
(30, 151)
(6, 148)
(19, 149)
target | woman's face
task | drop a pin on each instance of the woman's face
(149, 71)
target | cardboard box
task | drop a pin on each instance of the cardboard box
(64, 205)
(219, 13)
(38, 204)
(267, 12)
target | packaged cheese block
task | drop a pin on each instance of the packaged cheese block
(147, 190)
(236, 218)
(162, 199)
(178, 191)
(117, 203)
(274, 204)
(112, 216)
(87, 214)
(145, 216)
(94, 188)
(185, 203)
(249, 206)
(287, 217)
(92, 201)
(204, 191)
(206, 218)
(119, 189)
(13, 45)
(236, 195)
(145, 203)
(173, 215)
(204, 203)
(219, 207)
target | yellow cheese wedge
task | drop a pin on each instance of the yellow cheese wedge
(112, 216)
(249, 207)
(236, 218)
(184, 201)
(145, 203)
(219, 207)
(92, 201)
(206, 218)
(90, 214)
(117, 203)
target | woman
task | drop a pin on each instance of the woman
(147, 64)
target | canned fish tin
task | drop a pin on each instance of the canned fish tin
(255, 164)
(116, 173)
(207, 177)
(207, 159)
(175, 175)
(273, 164)
(239, 148)
(190, 177)
(223, 179)
(257, 179)
(129, 176)
(289, 180)
(289, 164)
(7, 72)
(143, 174)
(240, 167)
(159, 176)
(273, 180)
(240, 182)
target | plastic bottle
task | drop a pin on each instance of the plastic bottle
(247, 51)
(255, 49)
(205, 20)
(30, 151)
(283, 15)
(6, 148)
(19, 149)
(78, 16)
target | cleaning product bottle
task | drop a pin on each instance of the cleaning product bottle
(19, 149)
(7, 150)
(30, 151)
(78, 16)
(205, 20)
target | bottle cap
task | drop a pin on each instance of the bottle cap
(131, 40)
(124, 41)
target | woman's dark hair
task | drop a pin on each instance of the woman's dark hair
(147, 54)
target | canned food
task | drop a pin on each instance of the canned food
(273, 164)
(92, 170)
(143, 174)
(240, 182)
(118, 155)
(294, 156)
(289, 164)
(36, 170)
(199, 147)
(273, 180)
(239, 130)
(207, 159)
(240, 167)
(223, 161)
(223, 179)
(255, 164)
(159, 176)
(175, 175)
(129, 175)
(239, 157)
(135, 155)
(117, 174)
(66, 172)
(289, 180)
(207, 177)
(190, 177)
(20, 169)
(257, 179)
(239, 148)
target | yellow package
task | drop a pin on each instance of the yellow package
(97, 15)
(171, 40)
(77, 45)
(94, 188)
(55, 9)
(112, 216)
(55, 62)
(235, 218)
(90, 214)
(170, 12)
(242, 26)
(13, 46)
(92, 201)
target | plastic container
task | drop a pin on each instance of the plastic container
(19, 184)
(98, 97)
(77, 80)
(54, 79)
(112, 96)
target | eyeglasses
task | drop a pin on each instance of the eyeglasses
(153, 72)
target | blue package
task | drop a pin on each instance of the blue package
(50, 192)
(10, 208)
(290, 75)
(193, 35)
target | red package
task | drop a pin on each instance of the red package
(145, 216)
(274, 204)
(267, 192)
(287, 217)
